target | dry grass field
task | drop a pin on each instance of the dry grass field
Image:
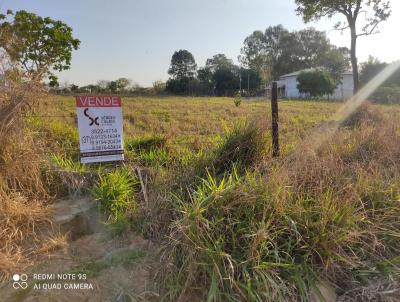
(196, 123)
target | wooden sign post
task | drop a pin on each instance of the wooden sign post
(275, 129)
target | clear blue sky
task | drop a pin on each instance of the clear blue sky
(136, 38)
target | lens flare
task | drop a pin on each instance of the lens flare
(323, 133)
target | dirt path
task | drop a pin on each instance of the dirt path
(93, 267)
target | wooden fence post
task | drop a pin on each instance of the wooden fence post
(275, 129)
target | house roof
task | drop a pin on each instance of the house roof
(296, 73)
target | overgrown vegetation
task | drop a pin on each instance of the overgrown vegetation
(23, 179)
(309, 221)
(22, 187)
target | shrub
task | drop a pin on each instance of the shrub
(316, 83)
(237, 100)
(243, 145)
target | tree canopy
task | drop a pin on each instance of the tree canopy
(183, 65)
(224, 76)
(373, 12)
(372, 67)
(39, 45)
(278, 51)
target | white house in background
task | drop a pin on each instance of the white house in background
(287, 86)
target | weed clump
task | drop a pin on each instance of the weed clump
(243, 146)
(115, 193)
(237, 100)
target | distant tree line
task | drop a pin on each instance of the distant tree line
(265, 56)
(389, 91)
(118, 86)
(220, 76)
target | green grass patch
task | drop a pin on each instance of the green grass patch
(125, 258)
(115, 193)
(146, 143)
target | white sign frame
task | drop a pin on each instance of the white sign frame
(100, 125)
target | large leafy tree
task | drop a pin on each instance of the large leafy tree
(278, 51)
(225, 81)
(39, 45)
(182, 71)
(372, 11)
(219, 61)
(219, 74)
(262, 50)
(370, 69)
(183, 65)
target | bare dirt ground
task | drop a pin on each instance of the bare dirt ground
(104, 268)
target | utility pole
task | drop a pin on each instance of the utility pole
(275, 129)
(240, 83)
(248, 82)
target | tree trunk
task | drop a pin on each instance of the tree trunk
(353, 55)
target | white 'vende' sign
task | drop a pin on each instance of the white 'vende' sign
(100, 128)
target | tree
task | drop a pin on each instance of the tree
(375, 11)
(373, 67)
(261, 51)
(183, 65)
(335, 61)
(370, 69)
(122, 83)
(39, 45)
(204, 74)
(103, 84)
(182, 70)
(74, 88)
(220, 73)
(316, 83)
(112, 86)
(159, 86)
(278, 51)
(250, 78)
(225, 80)
(219, 61)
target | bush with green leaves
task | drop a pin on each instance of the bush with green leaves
(237, 100)
(316, 83)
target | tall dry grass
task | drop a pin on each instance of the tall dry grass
(325, 215)
(22, 192)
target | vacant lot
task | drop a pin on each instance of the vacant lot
(232, 223)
